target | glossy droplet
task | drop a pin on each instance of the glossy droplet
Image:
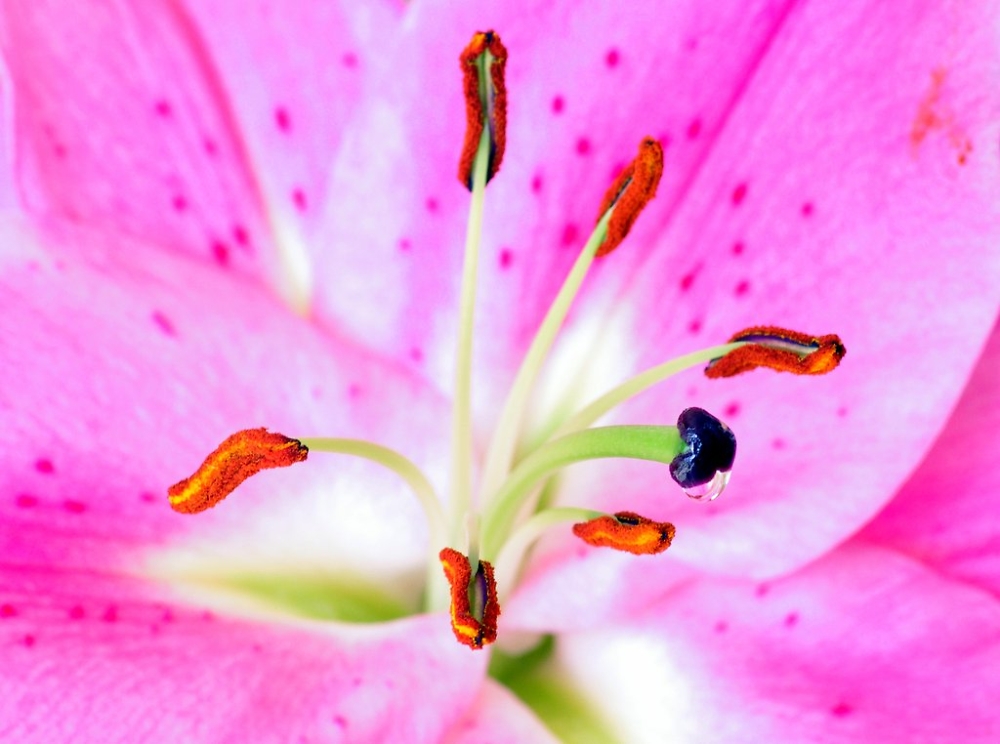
(710, 491)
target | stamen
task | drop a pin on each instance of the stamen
(474, 604)
(241, 455)
(628, 532)
(631, 192)
(703, 468)
(781, 350)
(483, 62)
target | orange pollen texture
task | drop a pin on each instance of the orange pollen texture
(482, 42)
(469, 630)
(630, 193)
(241, 455)
(626, 531)
(827, 351)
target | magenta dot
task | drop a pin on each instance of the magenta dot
(558, 104)
(163, 323)
(762, 589)
(163, 108)
(74, 507)
(404, 245)
(59, 150)
(340, 722)
(694, 327)
(582, 146)
(29, 641)
(350, 60)
(26, 501)
(536, 183)
(179, 203)
(732, 409)
(721, 627)
(778, 444)
(841, 710)
(282, 119)
(417, 354)
(739, 194)
(506, 258)
(240, 235)
(807, 209)
(210, 147)
(221, 253)
(687, 280)
(148, 497)
(299, 199)
(842, 411)
(738, 248)
(612, 58)
(791, 619)
(742, 288)
(432, 204)
(45, 466)
(110, 614)
(694, 129)
(7, 610)
(76, 612)
(354, 390)
(569, 234)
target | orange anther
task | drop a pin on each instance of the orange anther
(626, 531)
(631, 192)
(476, 626)
(781, 350)
(491, 112)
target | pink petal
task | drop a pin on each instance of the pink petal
(948, 512)
(896, 253)
(863, 646)
(122, 374)
(101, 658)
(498, 717)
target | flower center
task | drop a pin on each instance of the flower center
(478, 545)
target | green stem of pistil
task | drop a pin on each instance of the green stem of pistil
(655, 443)
(437, 588)
(461, 419)
(501, 450)
(635, 385)
(509, 560)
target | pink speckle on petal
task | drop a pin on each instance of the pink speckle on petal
(163, 108)
(354, 391)
(842, 412)
(29, 641)
(76, 613)
(569, 235)
(739, 194)
(738, 248)
(536, 183)
(807, 209)
(7, 610)
(417, 354)
(26, 501)
(506, 258)
(210, 147)
(778, 444)
(221, 253)
(841, 710)
(558, 104)
(404, 245)
(179, 203)
(763, 589)
(583, 146)
(350, 60)
(163, 323)
(299, 199)
(721, 627)
(612, 58)
(687, 280)
(74, 507)
(791, 619)
(432, 204)
(45, 466)
(240, 235)
(340, 722)
(282, 119)
(148, 497)
(110, 614)
(694, 129)
(732, 409)
(694, 327)
(742, 288)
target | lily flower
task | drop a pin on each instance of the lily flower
(220, 218)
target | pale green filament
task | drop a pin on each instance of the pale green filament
(501, 450)
(509, 560)
(461, 419)
(635, 385)
(437, 589)
(655, 443)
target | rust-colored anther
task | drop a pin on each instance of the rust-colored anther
(241, 455)
(485, 103)
(474, 604)
(626, 531)
(632, 190)
(781, 350)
